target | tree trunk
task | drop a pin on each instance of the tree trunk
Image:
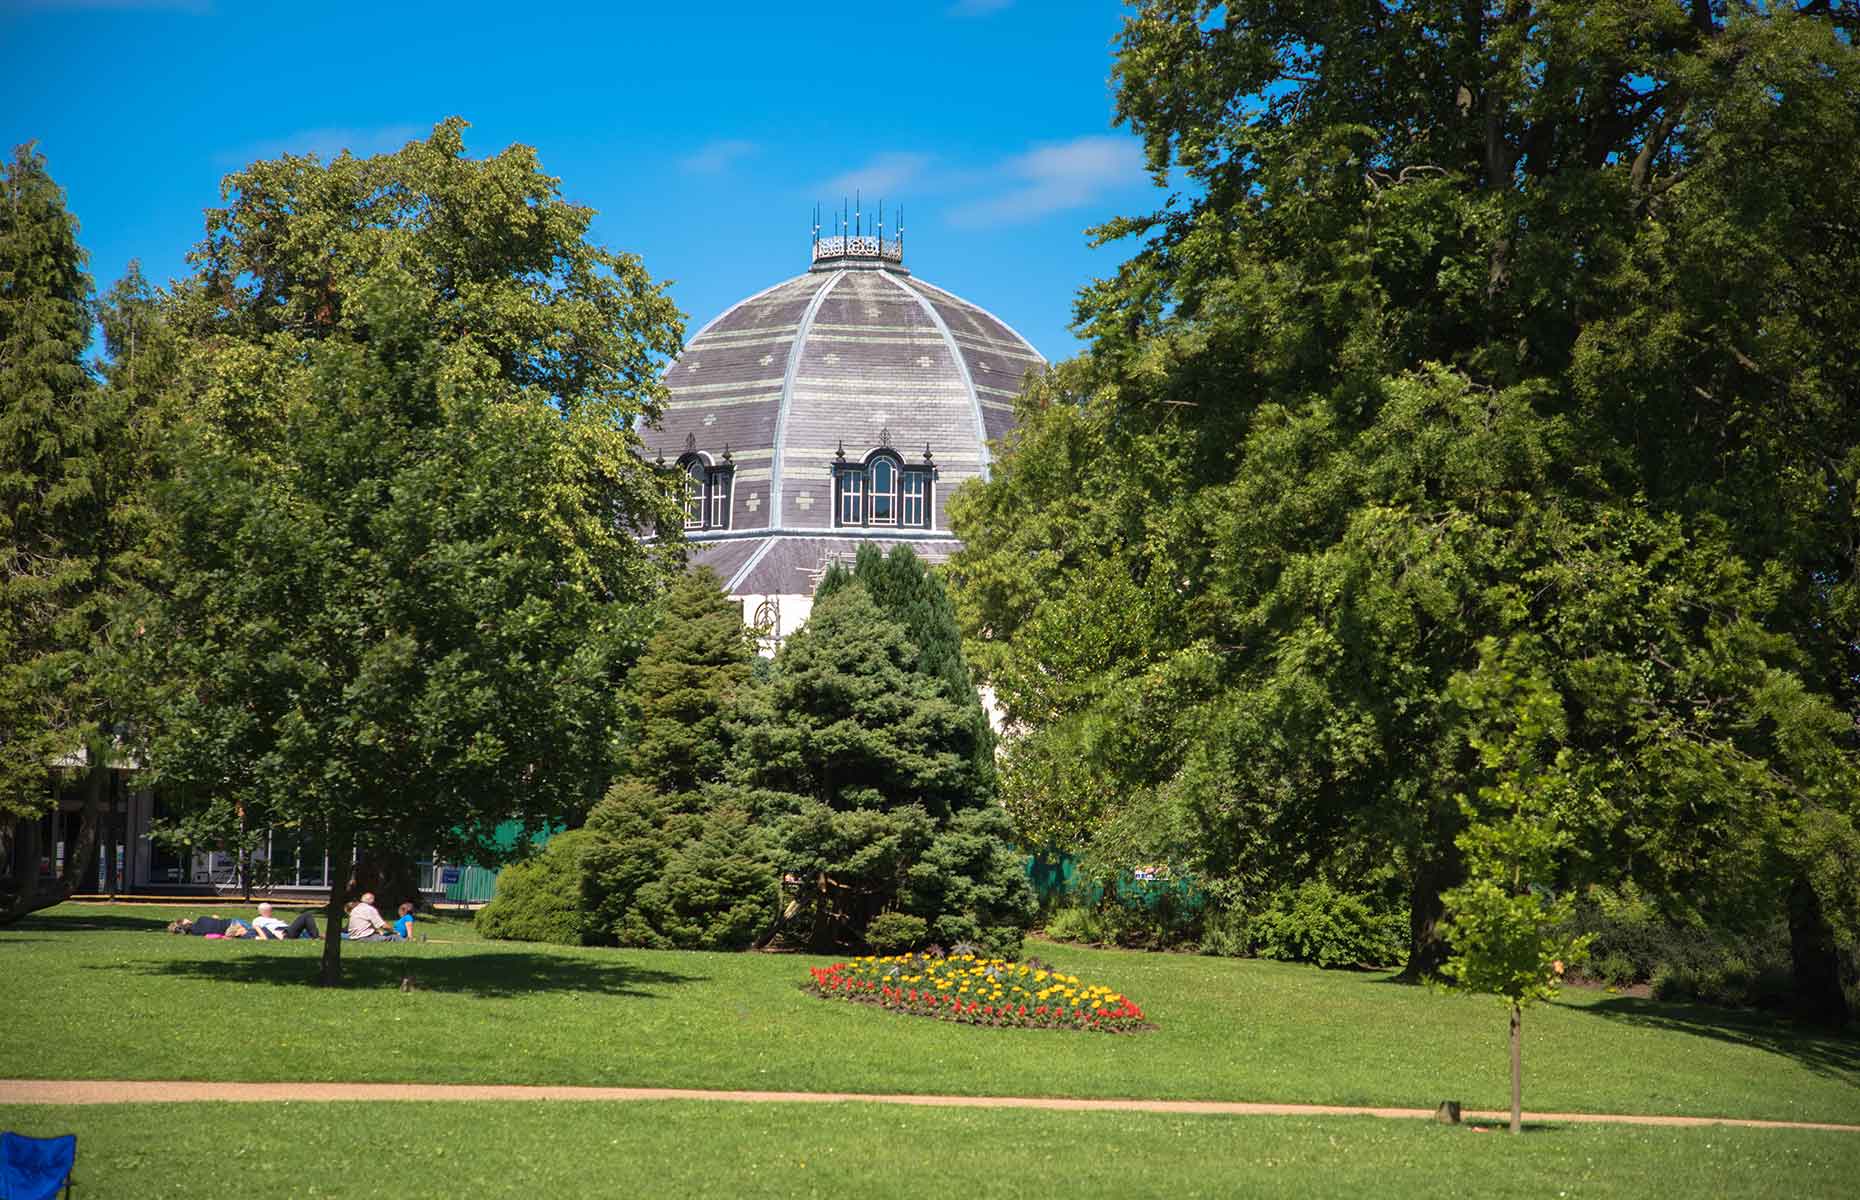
(1814, 960)
(1427, 950)
(1517, 1068)
(28, 846)
(392, 876)
(81, 858)
(341, 850)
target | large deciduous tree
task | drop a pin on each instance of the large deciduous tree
(1471, 320)
(404, 584)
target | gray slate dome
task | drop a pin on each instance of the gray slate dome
(841, 406)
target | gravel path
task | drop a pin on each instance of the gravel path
(101, 1091)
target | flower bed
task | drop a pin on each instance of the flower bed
(979, 991)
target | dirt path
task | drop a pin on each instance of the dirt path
(88, 1091)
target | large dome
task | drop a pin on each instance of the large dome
(841, 406)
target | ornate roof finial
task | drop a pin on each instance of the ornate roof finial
(927, 457)
(841, 454)
(726, 452)
(848, 240)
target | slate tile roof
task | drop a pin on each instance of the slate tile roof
(857, 353)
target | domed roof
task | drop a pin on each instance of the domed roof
(846, 403)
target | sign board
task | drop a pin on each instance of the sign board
(449, 876)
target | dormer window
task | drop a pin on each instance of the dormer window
(706, 493)
(882, 491)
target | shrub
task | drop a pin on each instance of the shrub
(718, 890)
(896, 932)
(1316, 923)
(539, 900)
(1226, 933)
(1076, 923)
(976, 990)
(971, 883)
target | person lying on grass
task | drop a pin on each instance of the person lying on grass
(268, 926)
(264, 927)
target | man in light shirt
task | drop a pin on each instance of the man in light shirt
(268, 926)
(365, 923)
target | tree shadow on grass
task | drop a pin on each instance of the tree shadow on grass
(498, 975)
(1828, 1054)
(69, 921)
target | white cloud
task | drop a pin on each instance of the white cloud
(716, 157)
(1057, 176)
(327, 143)
(977, 8)
(883, 175)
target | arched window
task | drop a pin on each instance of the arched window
(882, 491)
(706, 492)
(697, 483)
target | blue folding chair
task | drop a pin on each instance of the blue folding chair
(36, 1168)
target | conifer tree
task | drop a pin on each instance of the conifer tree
(667, 865)
(49, 512)
(910, 593)
(863, 762)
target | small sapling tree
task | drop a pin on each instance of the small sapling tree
(1507, 927)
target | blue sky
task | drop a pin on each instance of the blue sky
(703, 134)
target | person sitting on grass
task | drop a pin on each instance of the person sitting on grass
(403, 924)
(267, 926)
(365, 923)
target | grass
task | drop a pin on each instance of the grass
(99, 992)
(416, 1149)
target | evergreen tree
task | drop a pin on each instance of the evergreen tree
(862, 763)
(50, 514)
(911, 594)
(668, 866)
(697, 660)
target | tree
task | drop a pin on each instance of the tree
(1471, 321)
(912, 595)
(864, 768)
(672, 863)
(53, 431)
(1507, 924)
(403, 590)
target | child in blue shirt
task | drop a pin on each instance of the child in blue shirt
(403, 924)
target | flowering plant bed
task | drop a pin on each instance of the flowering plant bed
(979, 991)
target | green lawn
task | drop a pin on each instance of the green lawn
(714, 1149)
(96, 992)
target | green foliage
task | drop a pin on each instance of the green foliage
(671, 864)
(537, 899)
(49, 417)
(896, 933)
(696, 662)
(716, 891)
(1316, 923)
(971, 883)
(401, 477)
(1078, 923)
(912, 595)
(1507, 925)
(864, 768)
(1467, 325)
